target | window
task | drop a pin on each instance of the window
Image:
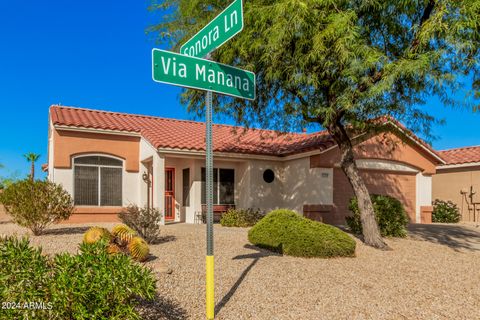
(223, 186)
(268, 176)
(97, 181)
(186, 187)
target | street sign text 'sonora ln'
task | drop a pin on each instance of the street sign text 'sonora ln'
(221, 29)
(197, 73)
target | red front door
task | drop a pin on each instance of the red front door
(170, 194)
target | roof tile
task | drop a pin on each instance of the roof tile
(461, 155)
(190, 135)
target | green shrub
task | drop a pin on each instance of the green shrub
(389, 214)
(25, 275)
(286, 232)
(241, 217)
(96, 285)
(89, 285)
(445, 212)
(36, 204)
(145, 221)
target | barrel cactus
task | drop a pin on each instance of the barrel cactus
(112, 248)
(138, 249)
(95, 234)
(123, 234)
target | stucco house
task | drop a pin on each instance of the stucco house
(109, 160)
(458, 180)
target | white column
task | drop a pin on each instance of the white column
(423, 194)
(159, 184)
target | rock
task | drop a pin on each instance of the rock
(162, 268)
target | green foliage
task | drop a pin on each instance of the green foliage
(331, 61)
(445, 212)
(36, 204)
(286, 232)
(389, 214)
(89, 285)
(145, 221)
(241, 217)
(25, 276)
(96, 285)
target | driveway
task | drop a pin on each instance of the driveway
(459, 237)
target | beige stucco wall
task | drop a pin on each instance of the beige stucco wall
(448, 184)
(256, 192)
(306, 185)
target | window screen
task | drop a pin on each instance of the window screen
(86, 186)
(98, 181)
(111, 186)
(98, 160)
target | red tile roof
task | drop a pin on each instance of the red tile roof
(461, 155)
(190, 135)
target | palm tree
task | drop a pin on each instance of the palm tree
(32, 157)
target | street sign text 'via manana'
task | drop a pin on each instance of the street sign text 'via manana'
(196, 73)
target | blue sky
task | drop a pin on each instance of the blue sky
(95, 54)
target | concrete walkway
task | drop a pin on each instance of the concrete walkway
(459, 237)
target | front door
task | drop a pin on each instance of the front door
(169, 194)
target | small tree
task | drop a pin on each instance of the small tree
(32, 158)
(36, 204)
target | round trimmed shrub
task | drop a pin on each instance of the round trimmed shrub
(389, 214)
(445, 212)
(286, 232)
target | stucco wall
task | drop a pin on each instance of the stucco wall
(306, 185)
(68, 143)
(423, 194)
(385, 147)
(259, 194)
(448, 185)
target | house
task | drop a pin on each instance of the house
(108, 160)
(458, 180)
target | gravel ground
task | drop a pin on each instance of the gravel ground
(419, 279)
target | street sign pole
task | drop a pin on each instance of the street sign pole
(210, 282)
(188, 69)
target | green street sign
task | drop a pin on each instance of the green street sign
(221, 29)
(196, 73)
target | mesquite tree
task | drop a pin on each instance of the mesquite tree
(340, 64)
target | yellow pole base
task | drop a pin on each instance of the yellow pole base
(210, 289)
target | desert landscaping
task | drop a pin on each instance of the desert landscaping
(428, 275)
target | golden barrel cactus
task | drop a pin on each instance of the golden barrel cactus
(113, 249)
(138, 249)
(123, 234)
(95, 234)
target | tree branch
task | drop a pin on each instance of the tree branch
(427, 12)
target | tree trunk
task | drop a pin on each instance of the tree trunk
(32, 171)
(371, 233)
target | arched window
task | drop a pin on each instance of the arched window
(97, 181)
